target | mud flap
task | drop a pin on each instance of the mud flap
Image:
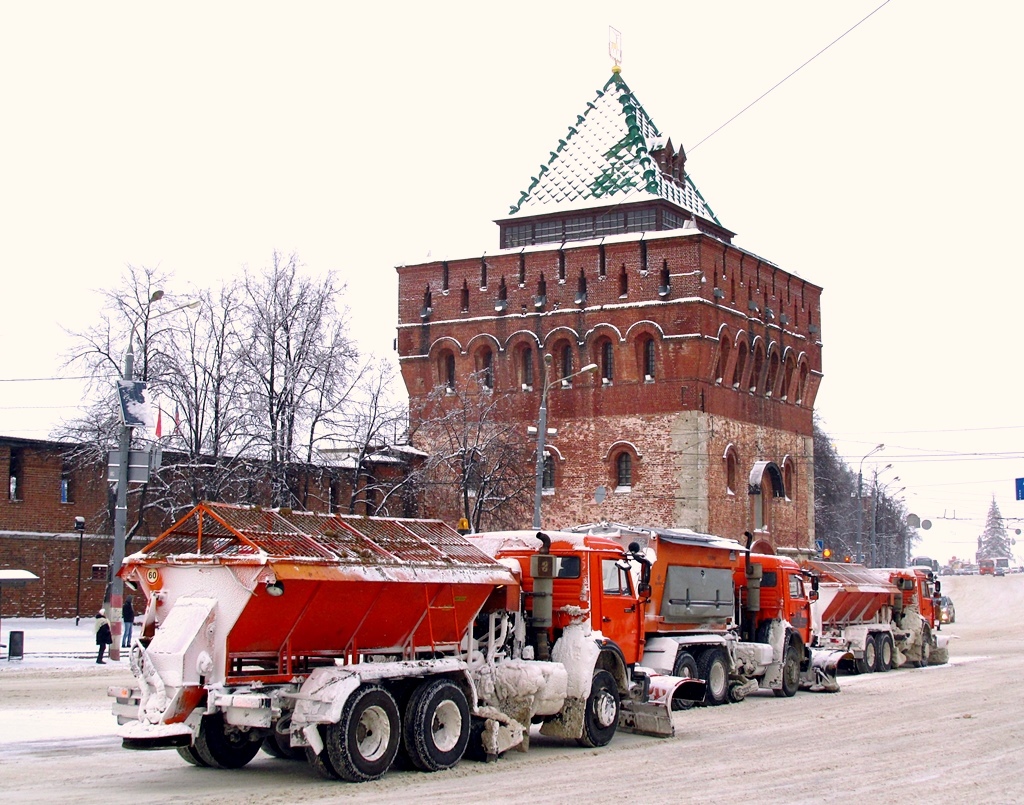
(821, 676)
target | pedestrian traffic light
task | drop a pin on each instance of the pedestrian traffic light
(827, 554)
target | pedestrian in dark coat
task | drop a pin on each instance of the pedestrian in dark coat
(103, 638)
(128, 616)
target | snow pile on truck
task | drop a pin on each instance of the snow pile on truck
(347, 640)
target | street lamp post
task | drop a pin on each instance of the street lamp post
(860, 502)
(121, 504)
(80, 528)
(542, 429)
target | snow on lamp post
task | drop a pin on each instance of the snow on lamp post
(542, 432)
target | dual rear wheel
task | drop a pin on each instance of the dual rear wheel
(364, 743)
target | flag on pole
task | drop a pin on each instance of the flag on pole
(159, 422)
(177, 421)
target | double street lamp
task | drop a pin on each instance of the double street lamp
(542, 428)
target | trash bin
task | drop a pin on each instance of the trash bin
(16, 646)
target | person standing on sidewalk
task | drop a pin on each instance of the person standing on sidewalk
(128, 616)
(103, 638)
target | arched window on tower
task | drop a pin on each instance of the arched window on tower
(773, 372)
(741, 364)
(565, 361)
(789, 477)
(449, 370)
(623, 471)
(723, 357)
(757, 369)
(731, 470)
(527, 368)
(488, 367)
(548, 478)
(649, 359)
(607, 352)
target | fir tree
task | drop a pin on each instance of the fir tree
(994, 541)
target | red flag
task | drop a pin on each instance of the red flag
(159, 422)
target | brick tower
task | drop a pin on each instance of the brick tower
(699, 414)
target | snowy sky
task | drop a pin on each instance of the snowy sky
(200, 137)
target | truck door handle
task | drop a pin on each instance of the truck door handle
(606, 620)
(630, 609)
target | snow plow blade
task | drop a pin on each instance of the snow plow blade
(155, 736)
(821, 676)
(664, 694)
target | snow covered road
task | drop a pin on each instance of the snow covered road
(943, 734)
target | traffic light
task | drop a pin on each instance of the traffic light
(846, 559)
(827, 554)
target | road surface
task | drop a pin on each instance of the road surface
(950, 733)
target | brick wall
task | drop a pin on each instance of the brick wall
(736, 359)
(37, 527)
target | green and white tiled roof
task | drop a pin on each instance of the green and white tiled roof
(605, 158)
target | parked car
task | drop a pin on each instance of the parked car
(947, 612)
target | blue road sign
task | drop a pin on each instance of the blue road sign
(819, 545)
(1020, 489)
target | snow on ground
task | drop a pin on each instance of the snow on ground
(57, 647)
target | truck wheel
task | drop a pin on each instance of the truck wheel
(224, 748)
(602, 713)
(363, 744)
(713, 668)
(189, 755)
(866, 664)
(277, 746)
(436, 729)
(885, 653)
(790, 671)
(926, 646)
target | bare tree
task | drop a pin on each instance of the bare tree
(298, 361)
(130, 318)
(478, 465)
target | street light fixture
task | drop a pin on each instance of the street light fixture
(542, 428)
(860, 502)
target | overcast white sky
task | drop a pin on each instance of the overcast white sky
(200, 137)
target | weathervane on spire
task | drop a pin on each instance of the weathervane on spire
(615, 48)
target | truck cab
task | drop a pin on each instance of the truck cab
(774, 588)
(580, 576)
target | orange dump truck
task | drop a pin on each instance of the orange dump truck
(883, 617)
(345, 640)
(701, 605)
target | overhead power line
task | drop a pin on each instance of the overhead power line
(784, 80)
(42, 379)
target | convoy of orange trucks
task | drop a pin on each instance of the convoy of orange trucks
(349, 640)
(359, 642)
